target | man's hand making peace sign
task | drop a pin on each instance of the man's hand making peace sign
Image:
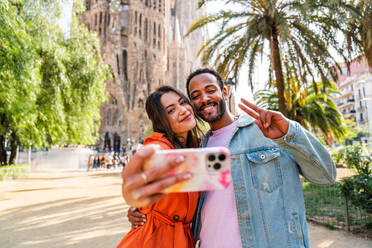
(272, 124)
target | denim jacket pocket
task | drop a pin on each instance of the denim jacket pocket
(265, 170)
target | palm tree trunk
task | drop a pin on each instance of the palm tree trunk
(277, 66)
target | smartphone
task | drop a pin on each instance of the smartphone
(210, 168)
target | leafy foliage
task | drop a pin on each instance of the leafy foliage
(358, 188)
(311, 110)
(359, 33)
(50, 88)
(298, 33)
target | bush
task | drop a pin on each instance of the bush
(14, 171)
(358, 188)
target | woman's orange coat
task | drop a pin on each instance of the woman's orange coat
(168, 220)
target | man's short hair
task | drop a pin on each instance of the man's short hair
(202, 71)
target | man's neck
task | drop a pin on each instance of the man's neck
(226, 119)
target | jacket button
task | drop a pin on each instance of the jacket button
(263, 156)
(176, 218)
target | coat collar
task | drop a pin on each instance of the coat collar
(245, 120)
(242, 121)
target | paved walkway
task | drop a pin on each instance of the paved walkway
(80, 210)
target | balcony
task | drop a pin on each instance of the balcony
(361, 109)
(348, 113)
(362, 121)
(351, 100)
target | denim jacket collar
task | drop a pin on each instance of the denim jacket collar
(243, 121)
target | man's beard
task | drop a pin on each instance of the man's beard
(220, 111)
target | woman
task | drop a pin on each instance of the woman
(168, 220)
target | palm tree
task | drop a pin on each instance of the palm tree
(360, 29)
(311, 110)
(299, 31)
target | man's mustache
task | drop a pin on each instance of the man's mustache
(206, 104)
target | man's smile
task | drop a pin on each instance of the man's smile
(208, 107)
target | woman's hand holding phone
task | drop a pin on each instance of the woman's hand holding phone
(143, 188)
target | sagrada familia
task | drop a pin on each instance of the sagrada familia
(143, 43)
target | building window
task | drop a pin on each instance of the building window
(154, 29)
(146, 3)
(113, 101)
(118, 63)
(140, 26)
(135, 17)
(87, 4)
(115, 117)
(108, 118)
(159, 37)
(364, 92)
(95, 20)
(146, 30)
(160, 5)
(125, 62)
(108, 19)
(100, 18)
(154, 4)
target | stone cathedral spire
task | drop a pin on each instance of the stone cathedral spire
(138, 43)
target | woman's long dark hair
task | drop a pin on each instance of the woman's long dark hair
(158, 116)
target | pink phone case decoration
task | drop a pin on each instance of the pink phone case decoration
(210, 168)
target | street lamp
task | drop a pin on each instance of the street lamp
(228, 84)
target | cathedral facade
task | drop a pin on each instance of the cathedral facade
(143, 43)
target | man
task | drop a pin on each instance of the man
(264, 207)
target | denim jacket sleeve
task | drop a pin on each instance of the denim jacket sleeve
(311, 156)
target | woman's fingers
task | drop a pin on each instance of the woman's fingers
(160, 185)
(155, 173)
(135, 163)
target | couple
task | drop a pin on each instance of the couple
(264, 207)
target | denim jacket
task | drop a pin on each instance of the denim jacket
(267, 187)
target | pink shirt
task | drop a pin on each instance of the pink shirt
(220, 228)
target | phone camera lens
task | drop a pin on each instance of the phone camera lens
(217, 166)
(222, 157)
(211, 157)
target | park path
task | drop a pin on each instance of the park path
(85, 210)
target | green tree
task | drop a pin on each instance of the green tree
(19, 79)
(311, 110)
(302, 31)
(53, 87)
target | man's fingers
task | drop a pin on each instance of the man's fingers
(248, 111)
(251, 105)
(268, 117)
(259, 124)
(160, 185)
